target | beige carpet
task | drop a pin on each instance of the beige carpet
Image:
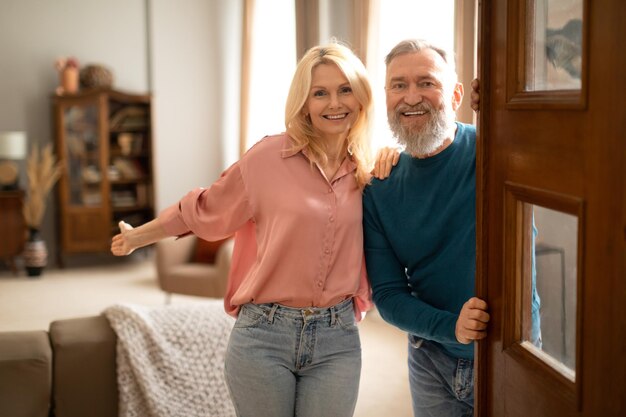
(31, 304)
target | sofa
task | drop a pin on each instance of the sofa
(143, 357)
(67, 371)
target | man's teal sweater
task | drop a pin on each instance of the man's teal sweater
(420, 246)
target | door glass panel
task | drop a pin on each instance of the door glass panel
(554, 45)
(551, 333)
(80, 124)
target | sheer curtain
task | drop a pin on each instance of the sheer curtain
(268, 64)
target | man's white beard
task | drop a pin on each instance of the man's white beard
(424, 141)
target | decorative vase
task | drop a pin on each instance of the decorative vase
(70, 80)
(35, 253)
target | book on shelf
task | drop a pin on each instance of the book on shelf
(123, 198)
(127, 168)
(142, 195)
(130, 117)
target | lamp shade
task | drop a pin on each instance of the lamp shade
(12, 145)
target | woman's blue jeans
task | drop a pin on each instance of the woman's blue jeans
(286, 362)
(441, 386)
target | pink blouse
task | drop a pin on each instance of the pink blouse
(299, 237)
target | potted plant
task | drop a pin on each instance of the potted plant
(43, 171)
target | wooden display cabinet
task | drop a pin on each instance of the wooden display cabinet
(104, 138)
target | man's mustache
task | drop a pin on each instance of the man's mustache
(420, 107)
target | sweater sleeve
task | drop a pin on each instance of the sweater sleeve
(212, 213)
(391, 292)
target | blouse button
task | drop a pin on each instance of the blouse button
(331, 219)
(320, 283)
(327, 251)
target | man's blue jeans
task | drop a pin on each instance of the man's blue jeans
(285, 362)
(441, 386)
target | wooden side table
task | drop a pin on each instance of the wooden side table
(12, 228)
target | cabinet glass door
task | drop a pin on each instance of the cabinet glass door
(80, 125)
(554, 53)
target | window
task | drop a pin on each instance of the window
(273, 62)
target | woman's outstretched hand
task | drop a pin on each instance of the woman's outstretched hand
(120, 245)
(386, 159)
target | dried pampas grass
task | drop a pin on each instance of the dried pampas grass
(43, 172)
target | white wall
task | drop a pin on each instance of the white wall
(179, 50)
(196, 96)
(33, 33)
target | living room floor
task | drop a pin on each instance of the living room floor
(32, 303)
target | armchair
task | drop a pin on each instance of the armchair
(178, 273)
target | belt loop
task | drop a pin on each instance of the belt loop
(333, 316)
(270, 317)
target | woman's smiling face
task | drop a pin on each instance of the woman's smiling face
(331, 104)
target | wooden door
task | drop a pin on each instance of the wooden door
(552, 151)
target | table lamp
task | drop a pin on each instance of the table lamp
(12, 148)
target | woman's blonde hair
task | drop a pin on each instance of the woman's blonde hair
(299, 126)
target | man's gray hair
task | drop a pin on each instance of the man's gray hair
(415, 45)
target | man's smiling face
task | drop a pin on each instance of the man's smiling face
(420, 103)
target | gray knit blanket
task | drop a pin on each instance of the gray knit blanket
(170, 359)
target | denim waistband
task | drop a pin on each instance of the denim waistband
(305, 312)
